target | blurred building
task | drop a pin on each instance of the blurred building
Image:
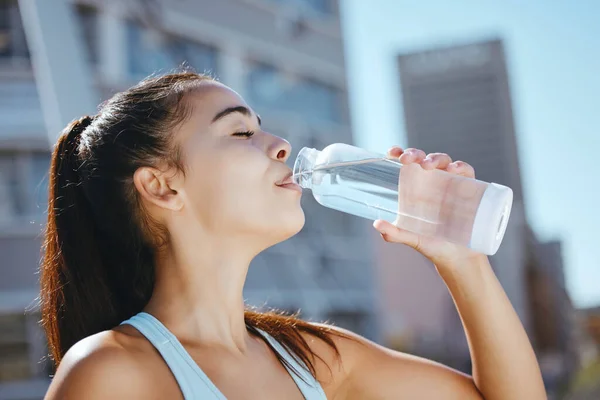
(555, 330)
(24, 161)
(591, 321)
(457, 100)
(589, 337)
(285, 57)
(586, 384)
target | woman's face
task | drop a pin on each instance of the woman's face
(232, 170)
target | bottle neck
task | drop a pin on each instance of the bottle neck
(304, 165)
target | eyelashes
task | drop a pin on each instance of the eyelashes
(246, 134)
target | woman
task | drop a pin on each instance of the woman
(157, 206)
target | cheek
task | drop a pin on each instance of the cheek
(225, 190)
(245, 203)
(233, 189)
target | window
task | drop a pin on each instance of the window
(152, 51)
(5, 11)
(88, 21)
(270, 88)
(23, 185)
(14, 349)
(37, 190)
(320, 6)
(9, 192)
(12, 36)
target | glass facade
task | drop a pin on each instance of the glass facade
(14, 349)
(320, 6)
(8, 186)
(5, 25)
(12, 36)
(88, 23)
(37, 183)
(269, 88)
(23, 186)
(151, 51)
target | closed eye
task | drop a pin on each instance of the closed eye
(244, 134)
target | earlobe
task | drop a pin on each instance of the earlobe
(154, 188)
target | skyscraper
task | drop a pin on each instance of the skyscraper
(456, 100)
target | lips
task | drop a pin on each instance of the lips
(287, 180)
(288, 183)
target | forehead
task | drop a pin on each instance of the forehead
(206, 101)
(210, 98)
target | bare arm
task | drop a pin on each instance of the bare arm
(369, 371)
(504, 363)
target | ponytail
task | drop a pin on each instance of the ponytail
(84, 277)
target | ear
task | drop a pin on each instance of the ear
(157, 187)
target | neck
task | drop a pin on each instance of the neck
(198, 294)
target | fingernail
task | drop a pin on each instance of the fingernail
(378, 228)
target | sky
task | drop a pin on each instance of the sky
(553, 57)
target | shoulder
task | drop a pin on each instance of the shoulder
(101, 366)
(363, 368)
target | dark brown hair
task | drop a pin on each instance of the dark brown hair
(99, 267)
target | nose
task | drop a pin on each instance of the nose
(280, 149)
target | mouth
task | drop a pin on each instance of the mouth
(288, 183)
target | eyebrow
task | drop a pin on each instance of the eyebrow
(238, 109)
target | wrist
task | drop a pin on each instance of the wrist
(465, 267)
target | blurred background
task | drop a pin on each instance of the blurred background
(511, 88)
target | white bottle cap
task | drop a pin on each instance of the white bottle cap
(491, 219)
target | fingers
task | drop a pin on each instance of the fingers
(432, 161)
(436, 160)
(461, 168)
(395, 152)
(411, 156)
(393, 234)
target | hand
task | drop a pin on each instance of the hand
(441, 252)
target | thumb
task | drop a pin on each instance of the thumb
(393, 234)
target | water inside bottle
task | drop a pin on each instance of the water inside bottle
(432, 203)
(367, 188)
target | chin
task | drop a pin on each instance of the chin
(295, 224)
(288, 226)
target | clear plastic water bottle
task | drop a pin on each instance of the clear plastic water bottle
(428, 202)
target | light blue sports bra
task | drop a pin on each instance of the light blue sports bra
(193, 382)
